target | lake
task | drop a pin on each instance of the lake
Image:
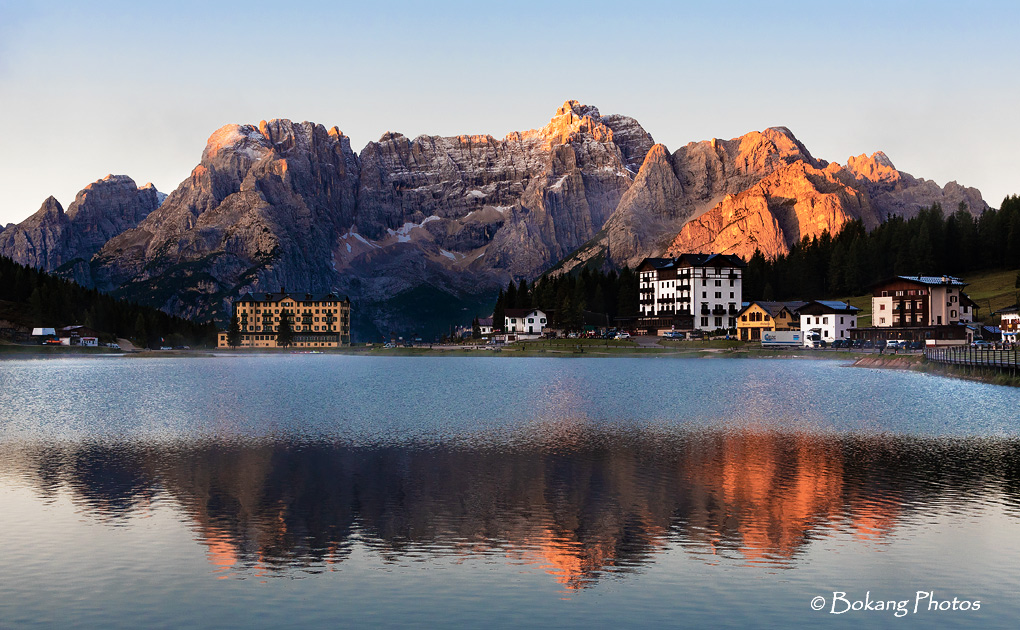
(330, 491)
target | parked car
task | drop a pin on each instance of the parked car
(673, 334)
(623, 335)
(981, 343)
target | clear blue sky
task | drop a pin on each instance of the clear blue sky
(93, 88)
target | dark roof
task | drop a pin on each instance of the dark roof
(520, 312)
(833, 306)
(710, 260)
(300, 297)
(694, 260)
(934, 279)
(485, 321)
(656, 263)
(773, 308)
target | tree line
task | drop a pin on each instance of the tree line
(52, 301)
(573, 300)
(930, 243)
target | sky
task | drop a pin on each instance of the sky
(91, 88)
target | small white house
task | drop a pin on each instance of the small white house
(485, 324)
(826, 320)
(44, 332)
(529, 322)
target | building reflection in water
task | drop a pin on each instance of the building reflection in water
(579, 505)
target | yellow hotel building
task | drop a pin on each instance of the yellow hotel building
(760, 315)
(317, 320)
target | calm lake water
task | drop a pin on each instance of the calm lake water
(347, 492)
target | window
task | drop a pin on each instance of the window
(704, 294)
(825, 321)
(718, 283)
(718, 322)
(881, 307)
(840, 320)
(881, 320)
(704, 321)
(718, 295)
(731, 282)
(731, 294)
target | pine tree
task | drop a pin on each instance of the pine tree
(499, 312)
(284, 332)
(523, 295)
(511, 295)
(476, 329)
(234, 333)
(141, 334)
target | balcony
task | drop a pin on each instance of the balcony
(704, 309)
(719, 310)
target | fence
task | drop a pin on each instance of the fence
(1006, 360)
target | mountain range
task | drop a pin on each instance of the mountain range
(422, 232)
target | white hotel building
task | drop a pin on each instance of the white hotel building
(700, 291)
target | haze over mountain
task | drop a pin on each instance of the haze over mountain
(420, 232)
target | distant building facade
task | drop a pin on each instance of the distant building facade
(826, 320)
(932, 309)
(692, 291)
(524, 321)
(318, 320)
(911, 301)
(761, 316)
(1009, 323)
(485, 325)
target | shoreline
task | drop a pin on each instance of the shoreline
(696, 350)
(917, 363)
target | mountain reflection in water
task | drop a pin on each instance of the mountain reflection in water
(598, 503)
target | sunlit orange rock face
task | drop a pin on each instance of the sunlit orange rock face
(805, 197)
(794, 202)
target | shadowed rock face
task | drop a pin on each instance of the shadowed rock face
(450, 218)
(50, 237)
(445, 221)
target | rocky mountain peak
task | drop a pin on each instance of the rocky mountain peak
(573, 120)
(761, 150)
(50, 210)
(390, 136)
(877, 168)
(245, 140)
(577, 109)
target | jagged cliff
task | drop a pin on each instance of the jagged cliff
(762, 190)
(801, 199)
(51, 237)
(423, 231)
